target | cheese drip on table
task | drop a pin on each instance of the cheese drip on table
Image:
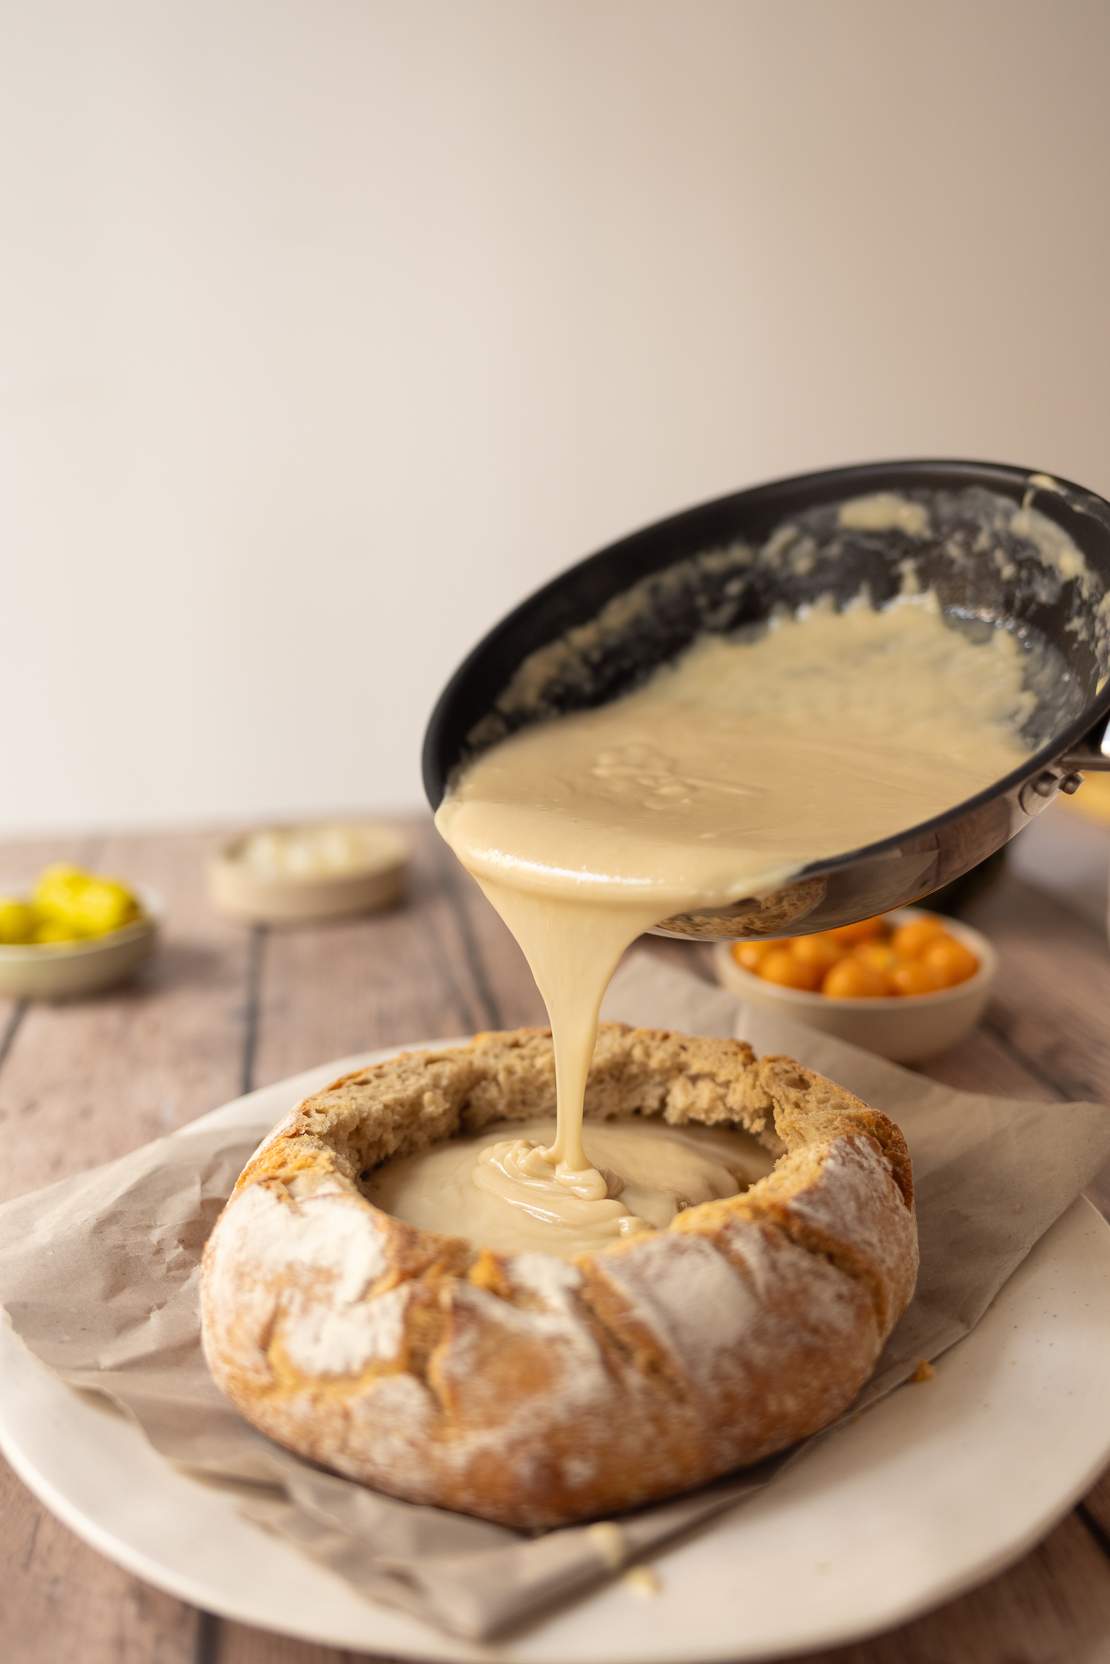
(720, 777)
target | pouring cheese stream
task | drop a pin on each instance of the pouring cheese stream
(721, 777)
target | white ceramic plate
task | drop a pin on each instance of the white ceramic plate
(934, 1489)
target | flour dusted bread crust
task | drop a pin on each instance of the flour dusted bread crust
(533, 1390)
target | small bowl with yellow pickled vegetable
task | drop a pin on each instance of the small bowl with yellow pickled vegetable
(906, 985)
(73, 932)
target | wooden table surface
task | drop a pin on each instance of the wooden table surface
(225, 1009)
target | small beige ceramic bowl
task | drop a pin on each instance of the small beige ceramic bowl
(373, 877)
(905, 1028)
(66, 970)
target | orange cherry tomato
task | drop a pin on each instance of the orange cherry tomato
(910, 940)
(862, 931)
(751, 954)
(855, 979)
(820, 951)
(782, 967)
(950, 960)
(879, 955)
(914, 976)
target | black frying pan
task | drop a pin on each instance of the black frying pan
(984, 571)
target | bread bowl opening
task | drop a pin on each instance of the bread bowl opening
(497, 1189)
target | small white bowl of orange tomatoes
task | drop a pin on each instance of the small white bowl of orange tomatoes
(907, 984)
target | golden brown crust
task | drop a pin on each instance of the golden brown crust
(531, 1390)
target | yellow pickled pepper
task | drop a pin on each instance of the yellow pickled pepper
(54, 930)
(56, 894)
(74, 903)
(17, 920)
(103, 905)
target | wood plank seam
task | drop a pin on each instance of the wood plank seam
(206, 1640)
(29, 1550)
(442, 960)
(256, 954)
(11, 1029)
(1098, 1191)
(1095, 1526)
(1045, 949)
(1062, 1086)
(475, 961)
(999, 1032)
(88, 851)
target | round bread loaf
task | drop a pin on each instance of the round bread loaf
(533, 1390)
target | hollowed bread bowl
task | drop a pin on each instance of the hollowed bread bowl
(532, 1390)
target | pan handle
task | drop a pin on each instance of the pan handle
(1092, 754)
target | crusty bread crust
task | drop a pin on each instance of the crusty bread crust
(532, 1390)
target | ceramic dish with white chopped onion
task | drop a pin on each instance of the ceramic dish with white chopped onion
(297, 874)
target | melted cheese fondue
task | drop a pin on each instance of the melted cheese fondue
(719, 778)
(646, 1172)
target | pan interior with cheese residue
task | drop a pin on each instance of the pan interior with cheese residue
(999, 547)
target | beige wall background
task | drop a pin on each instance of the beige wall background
(331, 327)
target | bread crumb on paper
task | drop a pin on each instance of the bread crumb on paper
(924, 1371)
(643, 1581)
(608, 1539)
